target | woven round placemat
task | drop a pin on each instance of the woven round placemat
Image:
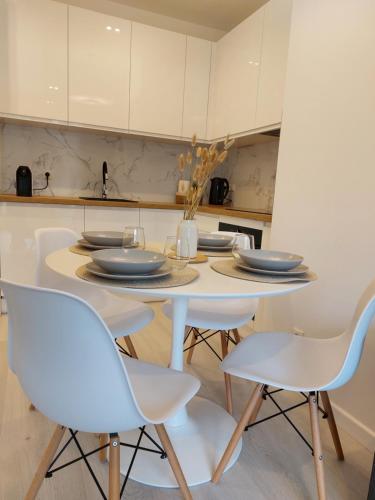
(228, 268)
(179, 278)
(80, 250)
(212, 253)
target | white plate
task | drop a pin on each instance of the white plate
(214, 240)
(271, 260)
(227, 248)
(159, 273)
(297, 271)
(90, 246)
(108, 238)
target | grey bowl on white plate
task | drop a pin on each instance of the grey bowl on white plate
(103, 238)
(214, 240)
(270, 259)
(128, 261)
(164, 270)
(296, 271)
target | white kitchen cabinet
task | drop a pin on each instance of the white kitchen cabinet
(197, 81)
(236, 71)
(110, 218)
(156, 80)
(33, 59)
(18, 222)
(207, 222)
(99, 69)
(158, 223)
(275, 43)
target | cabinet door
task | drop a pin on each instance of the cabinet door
(156, 80)
(33, 58)
(275, 44)
(158, 224)
(197, 80)
(236, 70)
(99, 69)
(110, 218)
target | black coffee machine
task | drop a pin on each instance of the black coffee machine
(219, 190)
(24, 183)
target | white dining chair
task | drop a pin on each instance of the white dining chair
(122, 316)
(216, 317)
(58, 342)
(300, 364)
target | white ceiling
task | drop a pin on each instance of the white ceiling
(218, 14)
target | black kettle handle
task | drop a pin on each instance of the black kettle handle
(226, 188)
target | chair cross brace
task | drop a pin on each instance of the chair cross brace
(203, 338)
(122, 349)
(284, 411)
(83, 456)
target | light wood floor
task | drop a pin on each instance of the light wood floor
(274, 463)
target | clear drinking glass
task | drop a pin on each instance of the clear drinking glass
(134, 237)
(173, 251)
(242, 242)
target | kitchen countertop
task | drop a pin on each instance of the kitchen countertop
(65, 200)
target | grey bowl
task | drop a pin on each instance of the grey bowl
(214, 240)
(128, 261)
(270, 259)
(110, 238)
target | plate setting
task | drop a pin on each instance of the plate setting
(226, 248)
(164, 270)
(103, 238)
(296, 271)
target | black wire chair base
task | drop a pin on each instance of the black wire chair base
(203, 336)
(284, 411)
(83, 456)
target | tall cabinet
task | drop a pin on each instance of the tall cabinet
(33, 59)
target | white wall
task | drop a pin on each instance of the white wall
(325, 186)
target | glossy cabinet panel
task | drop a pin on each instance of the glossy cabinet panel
(33, 58)
(158, 224)
(110, 218)
(274, 56)
(197, 80)
(236, 70)
(99, 69)
(157, 80)
(18, 222)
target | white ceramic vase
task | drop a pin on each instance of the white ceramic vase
(187, 232)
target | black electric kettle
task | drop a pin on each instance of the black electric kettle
(219, 190)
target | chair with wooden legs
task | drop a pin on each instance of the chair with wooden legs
(300, 364)
(122, 316)
(58, 342)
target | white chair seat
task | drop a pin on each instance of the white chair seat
(217, 314)
(287, 361)
(159, 404)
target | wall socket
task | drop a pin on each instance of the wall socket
(298, 331)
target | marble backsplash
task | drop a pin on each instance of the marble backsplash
(139, 169)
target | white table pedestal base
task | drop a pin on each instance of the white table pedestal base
(199, 445)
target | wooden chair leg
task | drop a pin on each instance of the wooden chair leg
(227, 377)
(32, 407)
(130, 346)
(191, 347)
(237, 336)
(332, 425)
(103, 440)
(173, 461)
(114, 467)
(254, 415)
(317, 446)
(45, 462)
(236, 436)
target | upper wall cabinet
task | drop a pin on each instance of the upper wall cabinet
(236, 69)
(274, 56)
(197, 81)
(33, 58)
(99, 69)
(157, 80)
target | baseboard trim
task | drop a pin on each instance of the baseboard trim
(354, 427)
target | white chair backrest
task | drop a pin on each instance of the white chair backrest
(67, 362)
(48, 240)
(354, 337)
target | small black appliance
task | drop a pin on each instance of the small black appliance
(24, 183)
(219, 190)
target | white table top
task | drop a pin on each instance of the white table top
(209, 284)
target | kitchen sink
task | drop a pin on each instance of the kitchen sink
(99, 198)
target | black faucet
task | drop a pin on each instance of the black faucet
(105, 178)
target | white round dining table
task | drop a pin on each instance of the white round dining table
(201, 431)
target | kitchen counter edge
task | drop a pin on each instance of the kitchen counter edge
(65, 200)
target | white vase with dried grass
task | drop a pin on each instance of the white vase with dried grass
(200, 162)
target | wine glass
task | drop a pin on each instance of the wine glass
(242, 241)
(173, 251)
(134, 237)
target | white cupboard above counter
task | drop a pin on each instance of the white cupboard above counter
(77, 67)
